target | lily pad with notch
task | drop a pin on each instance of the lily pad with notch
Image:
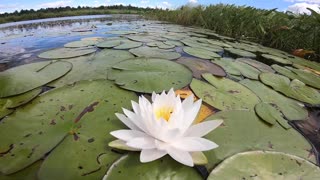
(60, 120)
(306, 77)
(294, 89)
(92, 67)
(63, 53)
(201, 53)
(24, 78)
(164, 168)
(224, 94)
(291, 109)
(155, 53)
(150, 74)
(199, 67)
(243, 131)
(265, 165)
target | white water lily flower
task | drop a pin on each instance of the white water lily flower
(165, 126)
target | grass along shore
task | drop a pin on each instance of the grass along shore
(285, 31)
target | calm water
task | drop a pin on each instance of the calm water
(20, 42)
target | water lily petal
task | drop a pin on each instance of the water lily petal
(119, 144)
(135, 107)
(191, 144)
(153, 97)
(188, 102)
(170, 135)
(136, 119)
(148, 155)
(183, 157)
(142, 143)
(127, 135)
(127, 121)
(203, 128)
(190, 115)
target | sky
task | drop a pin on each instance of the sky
(296, 6)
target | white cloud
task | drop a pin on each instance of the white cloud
(193, 1)
(55, 4)
(166, 4)
(305, 1)
(301, 8)
(144, 1)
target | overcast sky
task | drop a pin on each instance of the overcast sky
(298, 6)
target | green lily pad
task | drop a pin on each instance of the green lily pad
(128, 45)
(141, 38)
(24, 78)
(304, 62)
(82, 43)
(199, 66)
(244, 131)
(270, 114)
(276, 59)
(110, 43)
(241, 53)
(294, 89)
(265, 165)
(173, 43)
(98, 39)
(160, 45)
(154, 53)
(218, 43)
(62, 53)
(194, 42)
(175, 36)
(92, 67)
(29, 173)
(223, 93)
(77, 118)
(4, 111)
(119, 44)
(122, 32)
(6, 104)
(15, 101)
(149, 74)
(247, 70)
(228, 65)
(245, 46)
(235, 78)
(201, 53)
(288, 107)
(164, 168)
(304, 76)
(256, 64)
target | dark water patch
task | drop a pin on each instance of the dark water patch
(310, 129)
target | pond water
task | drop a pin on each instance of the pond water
(21, 41)
(246, 82)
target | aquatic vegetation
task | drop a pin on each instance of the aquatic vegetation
(269, 165)
(281, 30)
(56, 115)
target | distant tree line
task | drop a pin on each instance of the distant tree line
(31, 14)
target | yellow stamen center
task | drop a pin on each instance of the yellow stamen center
(164, 112)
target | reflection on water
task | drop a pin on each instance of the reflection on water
(20, 41)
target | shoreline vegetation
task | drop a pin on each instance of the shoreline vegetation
(293, 33)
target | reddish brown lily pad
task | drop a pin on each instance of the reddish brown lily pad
(199, 66)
